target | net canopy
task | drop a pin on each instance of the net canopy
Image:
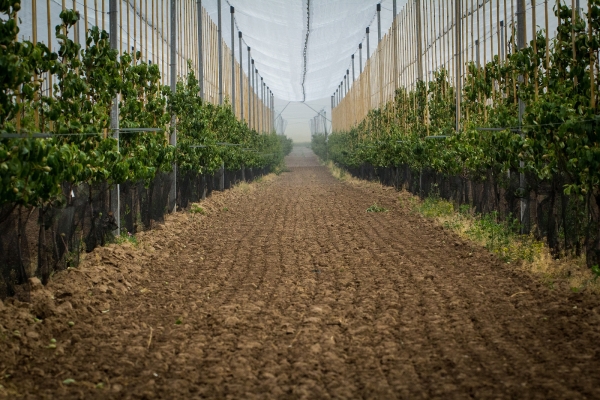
(302, 47)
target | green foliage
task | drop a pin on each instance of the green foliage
(126, 237)
(196, 209)
(82, 149)
(561, 126)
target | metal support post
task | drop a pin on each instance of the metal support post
(353, 75)
(524, 204)
(232, 11)
(477, 57)
(348, 75)
(257, 99)
(368, 45)
(253, 100)
(115, 195)
(262, 108)
(360, 59)
(458, 67)
(502, 46)
(173, 138)
(241, 79)
(378, 23)
(249, 92)
(200, 55)
(395, 40)
(220, 50)
(420, 39)
(222, 177)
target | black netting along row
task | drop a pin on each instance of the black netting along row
(37, 242)
(568, 224)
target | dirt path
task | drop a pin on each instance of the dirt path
(293, 290)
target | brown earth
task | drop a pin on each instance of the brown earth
(290, 289)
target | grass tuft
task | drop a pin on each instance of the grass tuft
(376, 209)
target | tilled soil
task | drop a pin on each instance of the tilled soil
(290, 289)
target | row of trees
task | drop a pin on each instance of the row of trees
(74, 113)
(557, 142)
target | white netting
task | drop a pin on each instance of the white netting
(276, 30)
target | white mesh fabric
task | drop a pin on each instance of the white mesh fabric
(276, 30)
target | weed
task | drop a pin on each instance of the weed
(341, 174)
(596, 272)
(126, 237)
(376, 209)
(196, 209)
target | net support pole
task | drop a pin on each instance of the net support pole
(249, 92)
(521, 38)
(368, 45)
(346, 84)
(251, 100)
(241, 79)
(353, 73)
(420, 39)
(360, 69)
(255, 98)
(115, 196)
(502, 41)
(395, 41)
(232, 12)
(379, 23)
(173, 137)
(220, 51)
(458, 60)
(477, 58)
(200, 55)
